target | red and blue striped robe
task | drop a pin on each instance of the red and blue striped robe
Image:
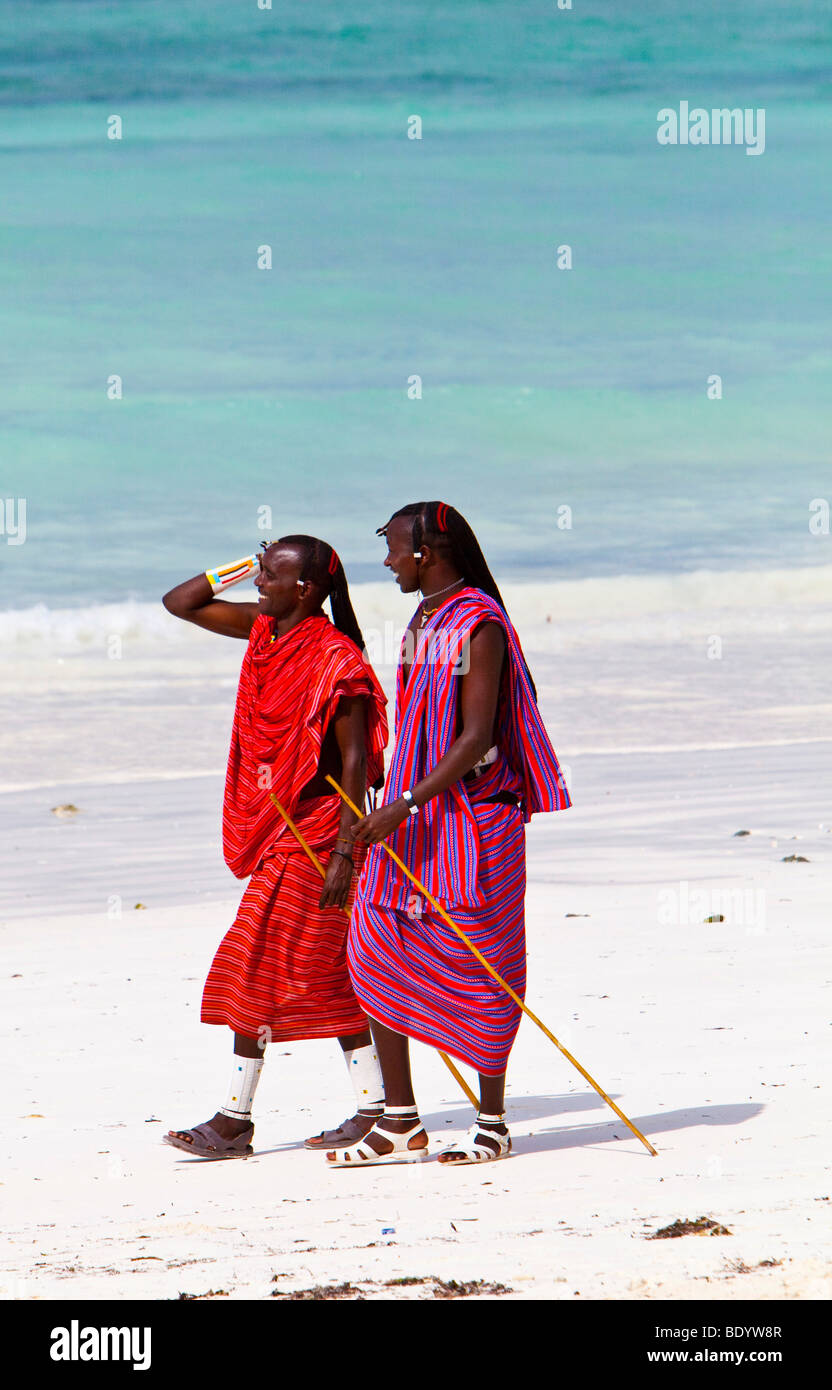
(408, 968)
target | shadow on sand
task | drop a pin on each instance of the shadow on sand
(612, 1130)
(545, 1138)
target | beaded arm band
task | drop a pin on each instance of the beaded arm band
(225, 575)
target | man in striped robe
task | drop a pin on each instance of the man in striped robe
(308, 704)
(472, 763)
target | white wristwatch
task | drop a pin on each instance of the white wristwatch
(411, 804)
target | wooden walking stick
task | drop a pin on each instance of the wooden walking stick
(481, 958)
(322, 871)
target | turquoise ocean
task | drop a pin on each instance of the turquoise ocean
(393, 258)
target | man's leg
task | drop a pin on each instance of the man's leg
(394, 1056)
(361, 1057)
(235, 1117)
(364, 1071)
(492, 1094)
(490, 1118)
(362, 1067)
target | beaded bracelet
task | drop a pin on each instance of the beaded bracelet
(225, 575)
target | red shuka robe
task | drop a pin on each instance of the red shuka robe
(282, 965)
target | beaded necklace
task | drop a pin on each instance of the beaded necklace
(429, 612)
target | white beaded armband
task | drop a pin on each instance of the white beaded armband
(225, 575)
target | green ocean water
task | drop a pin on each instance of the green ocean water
(393, 258)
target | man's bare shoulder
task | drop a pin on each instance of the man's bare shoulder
(488, 636)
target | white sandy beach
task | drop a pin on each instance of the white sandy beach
(712, 1036)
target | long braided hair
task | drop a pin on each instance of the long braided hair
(445, 529)
(322, 567)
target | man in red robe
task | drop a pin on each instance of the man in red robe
(308, 704)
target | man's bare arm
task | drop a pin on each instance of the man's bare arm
(480, 689)
(194, 601)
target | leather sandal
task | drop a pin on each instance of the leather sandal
(207, 1143)
(345, 1134)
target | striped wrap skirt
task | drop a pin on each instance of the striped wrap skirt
(411, 971)
(282, 965)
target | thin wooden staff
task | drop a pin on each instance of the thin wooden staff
(481, 958)
(322, 871)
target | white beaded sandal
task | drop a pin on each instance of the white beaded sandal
(361, 1155)
(473, 1150)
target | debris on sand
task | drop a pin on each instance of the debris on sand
(740, 832)
(740, 1267)
(319, 1292)
(67, 810)
(451, 1289)
(192, 1297)
(437, 1288)
(795, 859)
(717, 917)
(702, 1226)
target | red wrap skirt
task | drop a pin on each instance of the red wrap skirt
(282, 965)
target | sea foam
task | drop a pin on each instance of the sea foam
(607, 607)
